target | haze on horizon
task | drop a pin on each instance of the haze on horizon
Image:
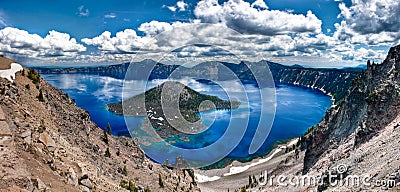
(328, 33)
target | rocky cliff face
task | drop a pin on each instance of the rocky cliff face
(333, 82)
(47, 143)
(363, 131)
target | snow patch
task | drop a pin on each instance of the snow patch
(203, 178)
(240, 169)
(236, 170)
(10, 73)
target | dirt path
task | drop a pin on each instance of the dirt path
(5, 63)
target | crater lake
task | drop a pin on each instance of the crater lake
(297, 109)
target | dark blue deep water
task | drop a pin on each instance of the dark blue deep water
(297, 109)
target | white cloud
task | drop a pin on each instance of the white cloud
(126, 41)
(259, 4)
(309, 49)
(110, 16)
(171, 8)
(181, 5)
(82, 11)
(365, 21)
(55, 44)
(154, 27)
(246, 46)
(245, 18)
(363, 54)
(275, 35)
(372, 16)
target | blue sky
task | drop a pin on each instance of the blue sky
(318, 33)
(42, 16)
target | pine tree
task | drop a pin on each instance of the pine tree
(124, 171)
(118, 152)
(105, 136)
(107, 153)
(34, 76)
(160, 182)
(250, 181)
(109, 128)
(40, 96)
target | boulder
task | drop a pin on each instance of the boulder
(73, 178)
(84, 171)
(87, 183)
(2, 116)
(47, 141)
(4, 129)
(27, 136)
(39, 184)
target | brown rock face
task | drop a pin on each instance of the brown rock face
(14, 176)
(52, 145)
(361, 131)
(47, 141)
(5, 63)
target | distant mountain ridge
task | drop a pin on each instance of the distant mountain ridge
(331, 81)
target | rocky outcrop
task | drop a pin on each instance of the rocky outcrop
(355, 146)
(50, 144)
(362, 130)
(14, 175)
(333, 82)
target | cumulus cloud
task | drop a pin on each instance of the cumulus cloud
(82, 12)
(154, 27)
(275, 35)
(246, 18)
(126, 41)
(372, 16)
(259, 4)
(55, 44)
(179, 6)
(363, 54)
(217, 37)
(164, 44)
(364, 21)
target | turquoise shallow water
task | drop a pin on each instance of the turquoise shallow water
(297, 109)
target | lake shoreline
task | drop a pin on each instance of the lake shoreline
(90, 91)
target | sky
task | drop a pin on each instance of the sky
(319, 33)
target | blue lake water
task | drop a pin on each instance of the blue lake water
(297, 109)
